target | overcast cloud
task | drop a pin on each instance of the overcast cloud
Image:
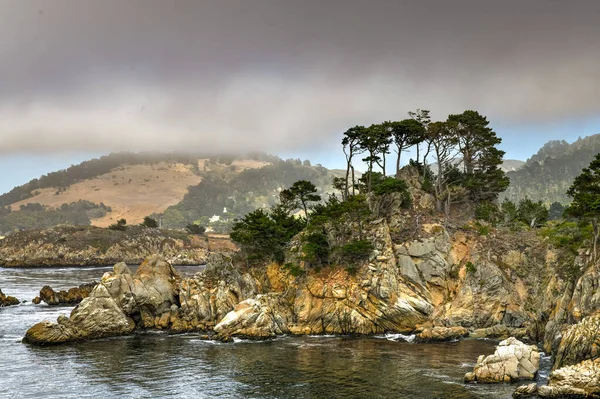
(87, 75)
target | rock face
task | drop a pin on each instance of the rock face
(95, 246)
(6, 300)
(118, 304)
(526, 391)
(71, 297)
(440, 334)
(578, 381)
(580, 342)
(512, 361)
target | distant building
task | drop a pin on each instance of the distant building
(214, 218)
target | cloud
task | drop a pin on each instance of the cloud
(83, 75)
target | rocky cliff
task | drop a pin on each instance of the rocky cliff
(95, 246)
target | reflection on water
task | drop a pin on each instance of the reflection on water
(169, 366)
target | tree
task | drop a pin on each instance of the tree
(480, 158)
(194, 228)
(376, 142)
(149, 222)
(585, 192)
(534, 214)
(422, 117)
(120, 225)
(440, 138)
(301, 193)
(556, 211)
(405, 133)
(351, 147)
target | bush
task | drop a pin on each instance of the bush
(149, 222)
(121, 225)
(488, 212)
(294, 269)
(193, 228)
(316, 248)
(356, 251)
(471, 268)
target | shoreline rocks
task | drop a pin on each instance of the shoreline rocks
(7, 300)
(441, 334)
(72, 296)
(512, 361)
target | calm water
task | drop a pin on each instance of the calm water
(181, 366)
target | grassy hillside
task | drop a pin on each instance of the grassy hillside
(547, 175)
(178, 188)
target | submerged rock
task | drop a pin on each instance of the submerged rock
(7, 300)
(512, 361)
(71, 297)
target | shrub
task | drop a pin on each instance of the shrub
(193, 228)
(356, 251)
(488, 212)
(294, 269)
(149, 222)
(315, 248)
(471, 268)
(121, 225)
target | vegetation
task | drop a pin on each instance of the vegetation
(121, 225)
(548, 174)
(34, 215)
(585, 192)
(193, 228)
(150, 223)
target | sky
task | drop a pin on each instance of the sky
(81, 78)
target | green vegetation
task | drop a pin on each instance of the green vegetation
(121, 225)
(34, 215)
(150, 223)
(471, 268)
(548, 174)
(585, 192)
(193, 228)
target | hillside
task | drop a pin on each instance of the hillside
(177, 188)
(548, 174)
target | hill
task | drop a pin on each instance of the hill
(176, 188)
(548, 174)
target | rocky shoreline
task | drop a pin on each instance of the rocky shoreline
(64, 245)
(437, 283)
(7, 300)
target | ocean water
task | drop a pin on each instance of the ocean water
(159, 365)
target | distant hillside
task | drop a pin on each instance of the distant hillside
(548, 174)
(177, 188)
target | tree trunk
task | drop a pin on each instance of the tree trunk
(398, 161)
(353, 181)
(595, 226)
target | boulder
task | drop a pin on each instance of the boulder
(264, 316)
(581, 380)
(7, 300)
(512, 361)
(71, 297)
(440, 334)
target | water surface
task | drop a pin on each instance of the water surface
(159, 365)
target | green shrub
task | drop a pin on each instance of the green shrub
(471, 268)
(356, 251)
(193, 228)
(488, 212)
(121, 225)
(316, 248)
(149, 222)
(294, 269)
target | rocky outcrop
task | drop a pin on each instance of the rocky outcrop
(579, 342)
(512, 361)
(72, 296)
(95, 246)
(581, 380)
(440, 334)
(526, 391)
(116, 306)
(7, 300)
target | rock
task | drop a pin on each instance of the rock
(580, 342)
(261, 317)
(6, 300)
(440, 334)
(71, 297)
(577, 381)
(499, 331)
(525, 391)
(419, 249)
(512, 361)
(96, 316)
